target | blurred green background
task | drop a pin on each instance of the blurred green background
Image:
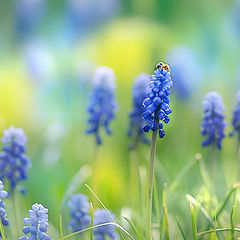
(48, 53)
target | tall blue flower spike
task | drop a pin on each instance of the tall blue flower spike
(37, 224)
(140, 90)
(156, 104)
(79, 211)
(213, 123)
(13, 161)
(102, 105)
(186, 72)
(3, 212)
(236, 118)
(101, 233)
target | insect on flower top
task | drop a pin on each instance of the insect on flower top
(102, 105)
(156, 104)
(213, 123)
(79, 211)
(36, 224)
(3, 212)
(13, 161)
(140, 90)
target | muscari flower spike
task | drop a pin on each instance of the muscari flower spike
(103, 232)
(3, 212)
(186, 72)
(140, 90)
(213, 123)
(13, 161)
(157, 103)
(79, 212)
(102, 105)
(37, 224)
(236, 118)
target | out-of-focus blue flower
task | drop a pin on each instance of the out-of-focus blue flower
(38, 61)
(13, 161)
(101, 233)
(37, 224)
(102, 105)
(156, 104)
(79, 212)
(84, 15)
(236, 118)
(3, 212)
(213, 123)
(186, 73)
(140, 90)
(28, 14)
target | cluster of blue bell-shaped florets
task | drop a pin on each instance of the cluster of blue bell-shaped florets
(157, 102)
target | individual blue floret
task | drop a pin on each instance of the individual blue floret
(13, 161)
(156, 104)
(101, 233)
(236, 118)
(79, 211)
(37, 224)
(3, 212)
(213, 123)
(140, 90)
(102, 105)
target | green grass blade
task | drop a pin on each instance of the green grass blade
(181, 230)
(96, 226)
(166, 221)
(218, 230)
(232, 222)
(60, 226)
(2, 231)
(156, 201)
(95, 195)
(194, 222)
(183, 172)
(92, 216)
(231, 191)
(133, 227)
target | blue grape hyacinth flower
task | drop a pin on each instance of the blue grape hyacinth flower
(186, 72)
(102, 105)
(236, 118)
(213, 123)
(3, 212)
(13, 160)
(37, 224)
(101, 233)
(140, 90)
(156, 104)
(79, 211)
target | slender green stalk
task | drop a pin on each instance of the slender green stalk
(60, 226)
(213, 157)
(96, 226)
(14, 208)
(2, 231)
(218, 230)
(181, 230)
(194, 223)
(150, 185)
(92, 215)
(135, 180)
(232, 223)
(166, 221)
(237, 167)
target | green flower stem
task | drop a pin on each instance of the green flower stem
(237, 167)
(135, 180)
(15, 212)
(150, 185)
(213, 157)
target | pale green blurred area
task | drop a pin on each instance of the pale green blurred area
(52, 111)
